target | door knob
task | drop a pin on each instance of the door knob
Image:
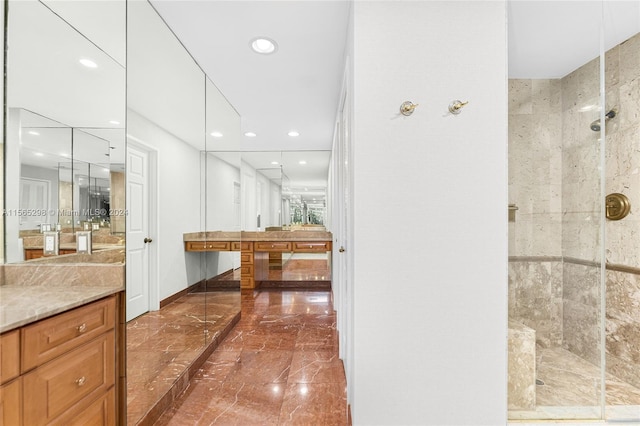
(147, 240)
(341, 249)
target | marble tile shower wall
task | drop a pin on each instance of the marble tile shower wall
(554, 181)
(623, 237)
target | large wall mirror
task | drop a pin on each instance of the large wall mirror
(71, 165)
(65, 124)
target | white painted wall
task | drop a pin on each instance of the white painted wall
(430, 198)
(178, 195)
(222, 212)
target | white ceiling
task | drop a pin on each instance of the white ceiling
(550, 39)
(296, 88)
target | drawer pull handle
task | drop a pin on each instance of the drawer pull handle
(81, 328)
(81, 381)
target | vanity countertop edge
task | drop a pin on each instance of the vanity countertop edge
(23, 305)
(258, 236)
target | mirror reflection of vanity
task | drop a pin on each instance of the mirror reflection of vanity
(63, 174)
(65, 132)
(65, 165)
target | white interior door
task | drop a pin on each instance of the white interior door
(137, 232)
(34, 198)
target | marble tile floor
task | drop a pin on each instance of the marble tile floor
(299, 273)
(162, 347)
(278, 366)
(571, 391)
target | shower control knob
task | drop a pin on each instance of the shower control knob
(617, 206)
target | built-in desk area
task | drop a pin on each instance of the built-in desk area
(255, 248)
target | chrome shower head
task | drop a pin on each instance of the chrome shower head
(595, 126)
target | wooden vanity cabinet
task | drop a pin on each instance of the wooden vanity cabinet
(311, 246)
(68, 369)
(246, 265)
(10, 382)
(30, 254)
(208, 246)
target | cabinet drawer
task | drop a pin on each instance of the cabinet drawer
(72, 381)
(246, 245)
(311, 246)
(54, 336)
(272, 246)
(208, 245)
(246, 271)
(9, 356)
(100, 412)
(10, 403)
(246, 258)
(247, 282)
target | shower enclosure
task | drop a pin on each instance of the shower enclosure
(574, 266)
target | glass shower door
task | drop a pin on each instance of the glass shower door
(621, 114)
(556, 212)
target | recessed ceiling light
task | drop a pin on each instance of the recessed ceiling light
(88, 63)
(64, 154)
(293, 133)
(114, 122)
(302, 162)
(216, 134)
(263, 45)
(34, 133)
(275, 163)
(39, 154)
(250, 134)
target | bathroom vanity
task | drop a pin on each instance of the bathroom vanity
(59, 357)
(256, 247)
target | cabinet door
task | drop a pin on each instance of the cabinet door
(11, 404)
(70, 382)
(100, 413)
(9, 356)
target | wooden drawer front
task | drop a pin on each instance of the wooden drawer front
(246, 271)
(100, 412)
(246, 245)
(272, 246)
(54, 336)
(247, 282)
(9, 356)
(208, 245)
(312, 246)
(10, 403)
(246, 258)
(72, 381)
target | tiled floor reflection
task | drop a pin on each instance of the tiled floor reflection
(162, 345)
(571, 390)
(278, 366)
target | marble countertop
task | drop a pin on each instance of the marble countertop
(259, 236)
(22, 305)
(72, 246)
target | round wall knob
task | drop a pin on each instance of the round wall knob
(617, 206)
(407, 108)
